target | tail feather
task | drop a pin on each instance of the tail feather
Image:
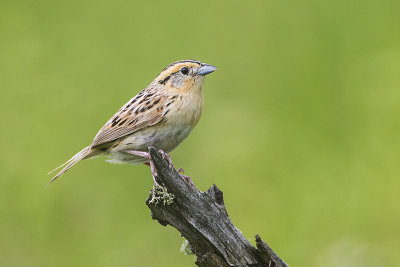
(72, 161)
(62, 165)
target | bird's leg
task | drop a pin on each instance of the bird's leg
(150, 162)
(152, 167)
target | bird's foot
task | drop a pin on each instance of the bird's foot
(168, 157)
(181, 172)
(153, 169)
(188, 180)
(150, 163)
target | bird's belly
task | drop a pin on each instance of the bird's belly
(169, 138)
(165, 138)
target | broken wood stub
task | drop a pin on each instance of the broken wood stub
(202, 219)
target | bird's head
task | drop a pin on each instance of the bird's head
(184, 75)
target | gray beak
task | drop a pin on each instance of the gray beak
(206, 69)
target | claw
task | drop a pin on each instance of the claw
(166, 156)
(181, 172)
(188, 180)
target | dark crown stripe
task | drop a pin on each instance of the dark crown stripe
(182, 61)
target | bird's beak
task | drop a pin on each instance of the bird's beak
(206, 69)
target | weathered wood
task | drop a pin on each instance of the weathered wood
(202, 219)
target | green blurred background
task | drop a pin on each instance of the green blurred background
(300, 127)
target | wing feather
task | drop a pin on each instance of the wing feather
(145, 109)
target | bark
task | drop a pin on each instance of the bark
(202, 219)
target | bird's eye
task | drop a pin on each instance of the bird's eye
(185, 70)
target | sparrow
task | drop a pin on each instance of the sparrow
(161, 115)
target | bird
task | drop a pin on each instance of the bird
(161, 115)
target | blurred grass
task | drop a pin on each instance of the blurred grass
(300, 127)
